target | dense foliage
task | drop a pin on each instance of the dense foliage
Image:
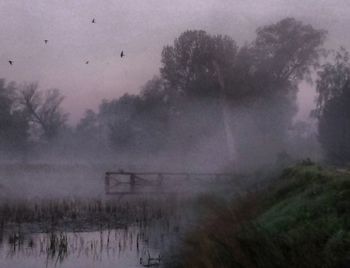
(333, 110)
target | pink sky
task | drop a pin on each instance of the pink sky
(139, 27)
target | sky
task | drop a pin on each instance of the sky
(141, 28)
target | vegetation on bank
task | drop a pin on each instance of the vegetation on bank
(302, 219)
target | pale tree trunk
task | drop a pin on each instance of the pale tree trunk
(226, 115)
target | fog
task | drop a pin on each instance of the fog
(202, 87)
(122, 122)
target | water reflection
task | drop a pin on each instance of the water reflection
(126, 248)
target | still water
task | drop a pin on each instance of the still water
(124, 248)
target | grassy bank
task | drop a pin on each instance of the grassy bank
(302, 219)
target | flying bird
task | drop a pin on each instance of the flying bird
(46, 41)
(11, 62)
(87, 62)
(122, 54)
(93, 20)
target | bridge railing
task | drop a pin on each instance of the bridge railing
(122, 182)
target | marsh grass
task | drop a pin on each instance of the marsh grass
(77, 215)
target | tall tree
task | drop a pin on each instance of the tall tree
(268, 72)
(259, 81)
(288, 49)
(188, 66)
(333, 107)
(192, 78)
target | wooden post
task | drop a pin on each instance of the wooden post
(107, 183)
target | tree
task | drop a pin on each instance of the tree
(137, 123)
(88, 124)
(44, 109)
(287, 50)
(265, 84)
(13, 120)
(116, 117)
(257, 84)
(333, 107)
(188, 66)
(192, 79)
(153, 119)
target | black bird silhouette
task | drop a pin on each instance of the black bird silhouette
(11, 62)
(122, 54)
(87, 62)
(93, 20)
(46, 41)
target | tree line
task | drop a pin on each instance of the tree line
(209, 91)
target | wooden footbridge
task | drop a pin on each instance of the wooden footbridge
(124, 183)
